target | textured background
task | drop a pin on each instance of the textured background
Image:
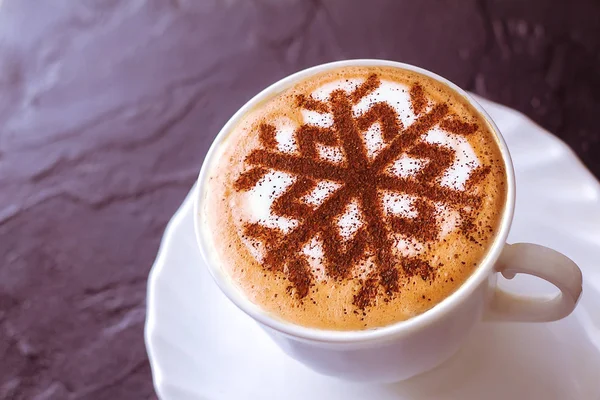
(107, 108)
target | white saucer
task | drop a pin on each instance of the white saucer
(202, 347)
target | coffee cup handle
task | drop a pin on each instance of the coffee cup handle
(545, 263)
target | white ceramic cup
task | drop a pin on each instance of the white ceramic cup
(404, 349)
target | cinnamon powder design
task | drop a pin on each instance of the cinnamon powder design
(362, 180)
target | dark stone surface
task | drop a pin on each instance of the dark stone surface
(107, 108)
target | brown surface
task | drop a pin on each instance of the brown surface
(107, 108)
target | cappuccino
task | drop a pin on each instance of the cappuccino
(356, 198)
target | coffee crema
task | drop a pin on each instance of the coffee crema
(358, 197)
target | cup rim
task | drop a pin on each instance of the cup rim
(387, 332)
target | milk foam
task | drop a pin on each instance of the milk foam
(465, 160)
(260, 199)
(373, 140)
(313, 251)
(395, 94)
(323, 190)
(407, 166)
(330, 153)
(286, 142)
(399, 204)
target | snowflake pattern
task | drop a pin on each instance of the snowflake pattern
(362, 179)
